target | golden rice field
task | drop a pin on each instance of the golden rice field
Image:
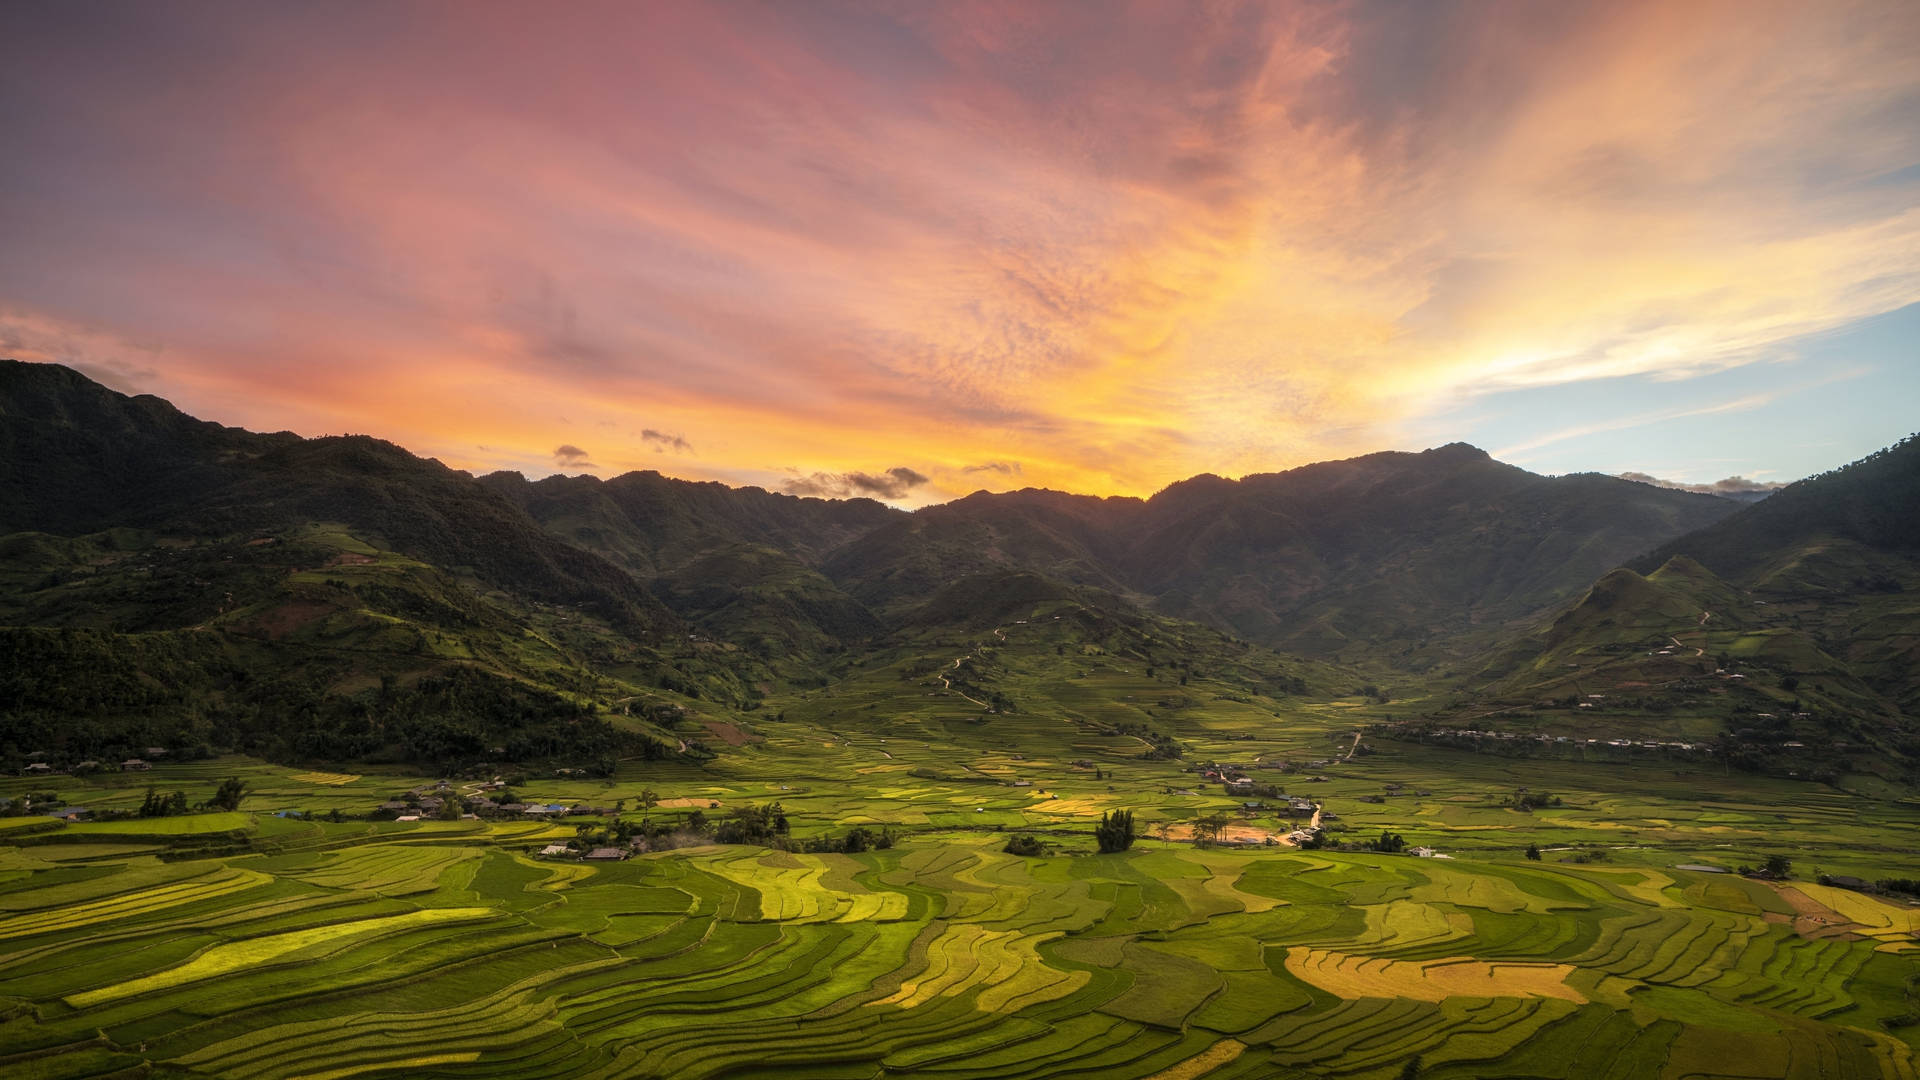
(435, 954)
(326, 779)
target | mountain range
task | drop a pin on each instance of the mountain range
(205, 580)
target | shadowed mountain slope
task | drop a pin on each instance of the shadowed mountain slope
(1391, 550)
(81, 458)
(1789, 630)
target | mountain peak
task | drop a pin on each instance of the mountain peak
(1460, 451)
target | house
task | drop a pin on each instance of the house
(607, 853)
(72, 813)
(408, 817)
(1422, 852)
(134, 765)
(555, 851)
(38, 768)
(156, 751)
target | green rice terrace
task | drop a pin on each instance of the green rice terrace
(251, 944)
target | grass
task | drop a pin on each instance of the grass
(273, 948)
(280, 948)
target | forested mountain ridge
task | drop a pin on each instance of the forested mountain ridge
(82, 459)
(1789, 630)
(367, 591)
(1388, 552)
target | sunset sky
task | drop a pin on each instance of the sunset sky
(916, 249)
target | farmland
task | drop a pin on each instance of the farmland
(942, 957)
(246, 944)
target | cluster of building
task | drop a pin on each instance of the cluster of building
(599, 854)
(38, 765)
(428, 801)
(1470, 734)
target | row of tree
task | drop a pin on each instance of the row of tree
(227, 796)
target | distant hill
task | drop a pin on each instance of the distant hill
(1379, 555)
(1870, 508)
(652, 525)
(1790, 629)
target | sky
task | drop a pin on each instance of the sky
(914, 250)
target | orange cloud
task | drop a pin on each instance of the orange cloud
(1100, 247)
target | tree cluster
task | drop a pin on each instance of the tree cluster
(1533, 800)
(1023, 844)
(1115, 831)
(1390, 842)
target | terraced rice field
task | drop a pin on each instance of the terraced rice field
(327, 779)
(395, 953)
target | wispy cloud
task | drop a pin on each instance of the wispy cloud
(1623, 423)
(895, 483)
(1116, 243)
(569, 456)
(1732, 485)
(662, 442)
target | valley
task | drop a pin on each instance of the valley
(326, 761)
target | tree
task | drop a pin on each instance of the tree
(1023, 844)
(1533, 852)
(1411, 1070)
(450, 809)
(1778, 866)
(1115, 831)
(1209, 828)
(648, 800)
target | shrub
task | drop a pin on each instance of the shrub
(1024, 845)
